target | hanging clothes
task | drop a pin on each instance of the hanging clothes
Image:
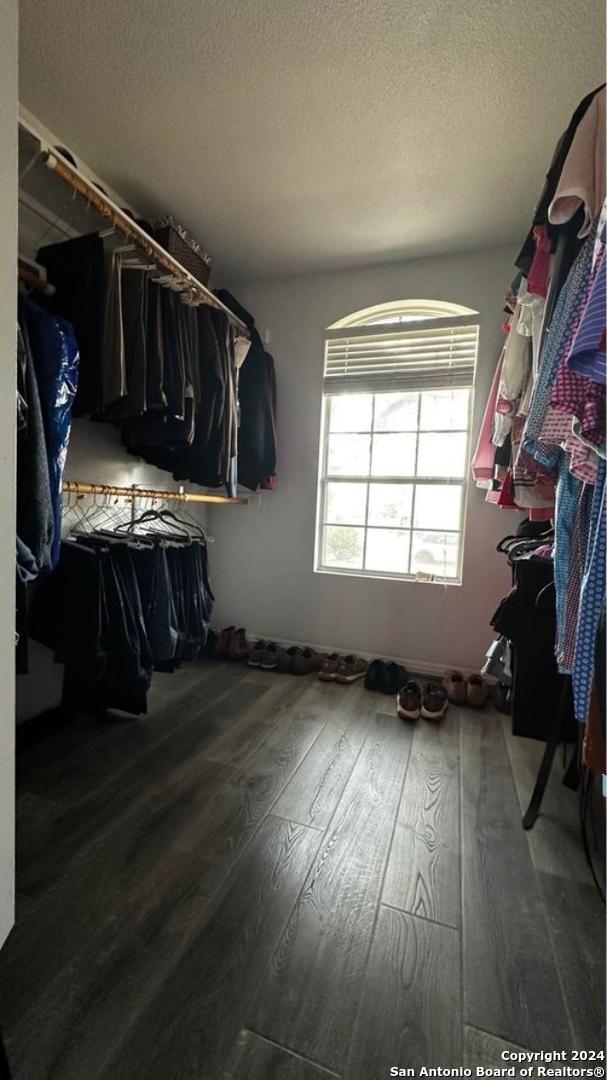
(55, 355)
(55, 360)
(117, 609)
(554, 408)
(75, 268)
(540, 217)
(257, 437)
(35, 516)
(166, 371)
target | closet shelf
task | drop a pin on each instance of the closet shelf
(182, 278)
(136, 492)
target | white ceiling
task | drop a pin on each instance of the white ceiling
(297, 135)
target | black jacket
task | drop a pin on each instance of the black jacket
(257, 397)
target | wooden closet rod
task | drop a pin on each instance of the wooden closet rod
(153, 250)
(136, 492)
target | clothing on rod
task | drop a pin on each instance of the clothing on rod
(116, 609)
(171, 374)
(47, 365)
(257, 437)
(554, 407)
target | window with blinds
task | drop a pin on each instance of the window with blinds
(397, 396)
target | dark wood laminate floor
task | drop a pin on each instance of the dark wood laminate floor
(271, 877)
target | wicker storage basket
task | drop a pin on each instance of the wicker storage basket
(181, 246)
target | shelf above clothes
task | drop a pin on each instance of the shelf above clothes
(177, 277)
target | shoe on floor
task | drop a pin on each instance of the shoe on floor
(256, 653)
(350, 668)
(239, 647)
(409, 701)
(454, 686)
(392, 677)
(374, 676)
(434, 702)
(385, 675)
(328, 667)
(222, 645)
(478, 692)
(272, 654)
(305, 661)
(286, 659)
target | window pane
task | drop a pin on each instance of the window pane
(387, 550)
(437, 506)
(396, 412)
(346, 503)
(349, 455)
(393, 455)
(435, 553)
(441, 455)
(351, 412)
(390, 504)
(342, 546)
(444, 409)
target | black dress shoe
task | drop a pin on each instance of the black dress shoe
(393, 677)
(375, 675)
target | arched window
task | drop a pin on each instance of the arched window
(397, 395)
(403, 311)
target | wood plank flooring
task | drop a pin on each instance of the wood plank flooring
(511, 988)
(423, 874)
(271, 878)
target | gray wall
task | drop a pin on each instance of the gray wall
(263, 558)
(8, 314)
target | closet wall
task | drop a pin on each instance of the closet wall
(8, 286)
(264, 569)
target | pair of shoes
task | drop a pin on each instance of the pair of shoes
(231, 644)
(265, 654)
(460, 691)
(412, 702)
(296, 661)
(270, 656)
(386, 676)
(342, 669)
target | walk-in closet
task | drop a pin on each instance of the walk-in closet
(302, 448)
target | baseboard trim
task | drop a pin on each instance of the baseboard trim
(416, 667)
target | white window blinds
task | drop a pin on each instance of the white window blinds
(420, 354)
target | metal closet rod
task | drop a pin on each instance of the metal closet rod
(108, 209)
(136, 492)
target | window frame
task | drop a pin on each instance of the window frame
(324, 478)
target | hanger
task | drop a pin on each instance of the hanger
(538, 600)
(202, 530)
(164, 516)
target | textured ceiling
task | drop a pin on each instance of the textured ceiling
(296, 135)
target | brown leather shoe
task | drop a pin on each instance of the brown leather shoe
(238, 648)
(222, 645)
(478, 692)
(455, 687)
